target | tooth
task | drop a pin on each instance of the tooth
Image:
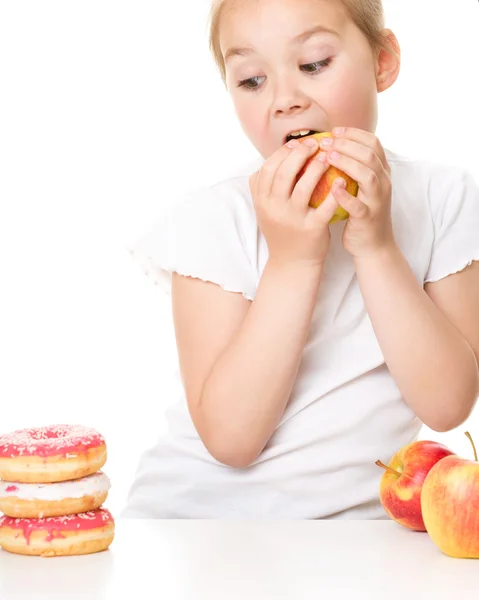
(301, 132)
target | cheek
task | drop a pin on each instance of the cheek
(353, 99)
(249, 116)
(254, 123)
(245, 114)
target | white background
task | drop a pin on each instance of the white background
(110, 110)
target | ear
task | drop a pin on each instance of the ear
(388, 64)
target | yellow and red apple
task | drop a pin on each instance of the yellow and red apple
(324, 185)
(450, 505)
(402, 481)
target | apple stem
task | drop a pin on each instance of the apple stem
(473, 446)
(383, 466)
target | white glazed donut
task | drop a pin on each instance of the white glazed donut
(38, 500)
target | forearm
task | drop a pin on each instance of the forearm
(433, 365)
(249, 387)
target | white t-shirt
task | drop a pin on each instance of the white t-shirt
(345, 410)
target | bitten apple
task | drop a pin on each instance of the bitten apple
(401, 484)
(324, 185)
(450, 505)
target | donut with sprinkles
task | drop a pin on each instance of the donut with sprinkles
(51, 453)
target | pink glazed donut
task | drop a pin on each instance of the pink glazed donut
(51, 454)
(84, 533)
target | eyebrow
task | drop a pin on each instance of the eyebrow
(297, 39)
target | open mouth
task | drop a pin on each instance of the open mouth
(303, 133)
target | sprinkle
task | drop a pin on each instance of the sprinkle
(48, 440)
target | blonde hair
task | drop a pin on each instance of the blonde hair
(368, 16)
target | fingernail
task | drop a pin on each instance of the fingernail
(311, 142)
(340, 182)
(292, 144)
(322, 156)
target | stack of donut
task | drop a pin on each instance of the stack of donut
(51, 491)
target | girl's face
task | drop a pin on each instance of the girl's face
(283, 77)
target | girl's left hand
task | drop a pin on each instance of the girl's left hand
(361, 156)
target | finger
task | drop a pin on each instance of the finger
(287, 174)
(268, 171)
(363, 154)
(363, 137)
(353, 205)
(367, 179)
(306, 184)
(323, 214)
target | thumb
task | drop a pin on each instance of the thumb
(252, 182)
(327, 208)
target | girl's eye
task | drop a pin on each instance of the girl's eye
(252, 83)
(319, 63)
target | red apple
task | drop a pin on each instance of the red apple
(450, 505)
(324, 185)
(401, 484)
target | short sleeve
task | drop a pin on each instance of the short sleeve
(456, 225)
(207, 236)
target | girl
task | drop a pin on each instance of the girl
(308, 350)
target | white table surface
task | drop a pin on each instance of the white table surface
(247, 560)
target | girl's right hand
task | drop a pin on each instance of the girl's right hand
(294, 231)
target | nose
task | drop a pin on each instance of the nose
(289, 98)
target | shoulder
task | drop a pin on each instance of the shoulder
(430, 192)
(435, 178)
(228, 199)
(209, 232)
(436, 210)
